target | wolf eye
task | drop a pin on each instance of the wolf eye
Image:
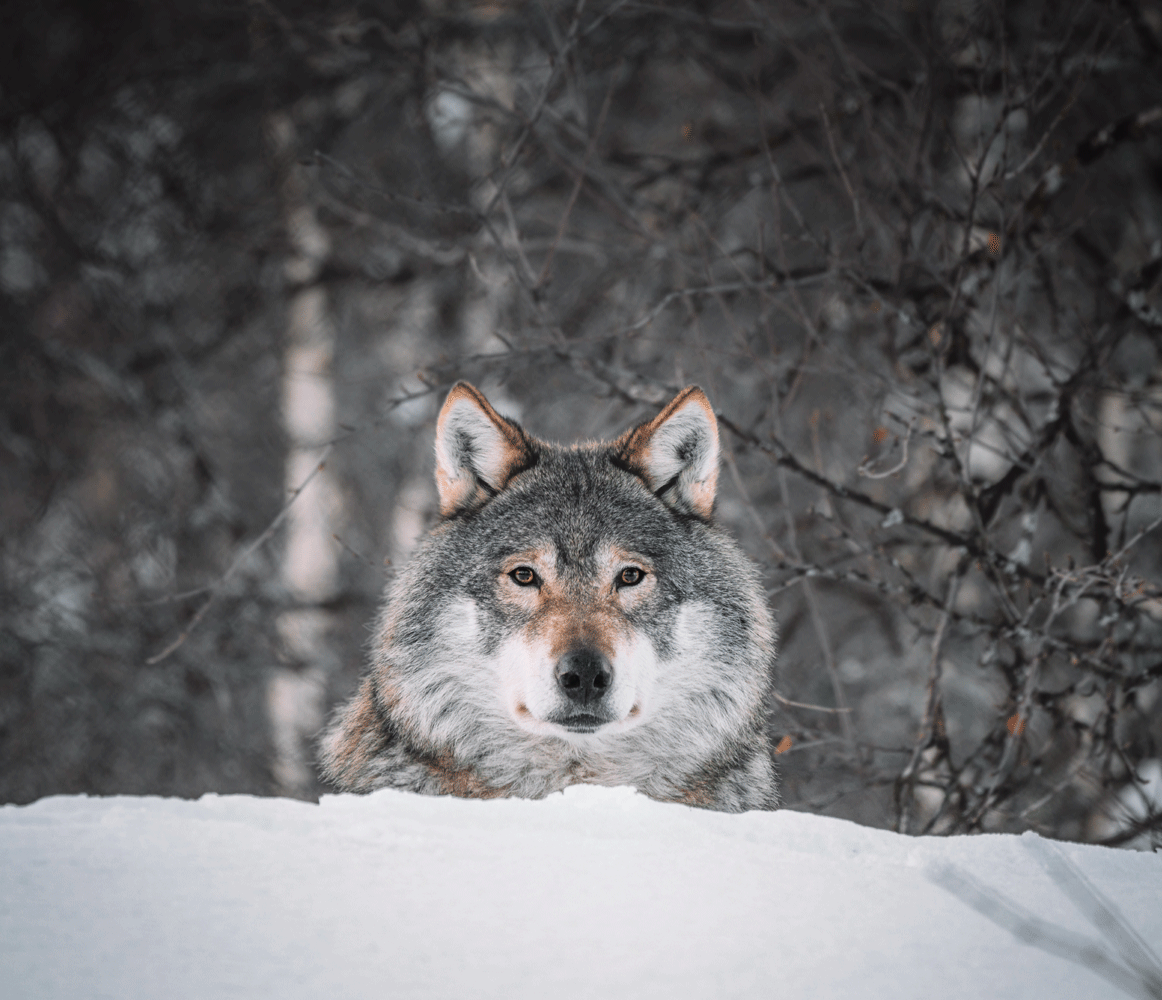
(630, 576)
(523, 576)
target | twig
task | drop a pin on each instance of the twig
(864, 468)
(578, 183)
(842, 173)
(214, 588)
(802, 704)
(932, 706)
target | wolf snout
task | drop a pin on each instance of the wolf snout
(584, 676)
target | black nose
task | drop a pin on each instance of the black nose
(584, 675)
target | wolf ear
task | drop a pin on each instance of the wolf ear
(477, 450)
(676, 453)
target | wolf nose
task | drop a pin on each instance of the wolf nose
(584, 675)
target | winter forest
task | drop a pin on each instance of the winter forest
(912, 251)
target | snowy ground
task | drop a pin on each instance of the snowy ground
(594, 893)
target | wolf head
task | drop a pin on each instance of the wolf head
(575, 616)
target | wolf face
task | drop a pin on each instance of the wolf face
(574, 617)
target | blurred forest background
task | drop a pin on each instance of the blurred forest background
(911, 249)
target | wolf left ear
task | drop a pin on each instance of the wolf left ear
(477, 450)
(676, 453)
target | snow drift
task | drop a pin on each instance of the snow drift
(594, 893)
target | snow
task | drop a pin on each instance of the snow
(596, 892)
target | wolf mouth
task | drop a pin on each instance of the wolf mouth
(582, 723)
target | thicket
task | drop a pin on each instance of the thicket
(911, 250)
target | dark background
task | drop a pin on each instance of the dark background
(911, 250)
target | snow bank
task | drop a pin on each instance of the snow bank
(594, 893)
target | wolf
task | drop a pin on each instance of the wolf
(575, 616)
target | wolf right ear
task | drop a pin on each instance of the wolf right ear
(477, 450)
(676, 453)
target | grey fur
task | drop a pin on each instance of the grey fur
(430, 716)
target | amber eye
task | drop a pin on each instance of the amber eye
(523, 576)
(630, 576)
